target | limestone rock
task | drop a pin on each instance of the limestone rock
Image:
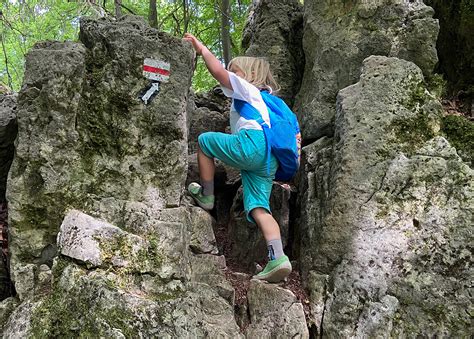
(247, 242)
(92, 157)
(202, 233)
(274, 313)
(214, 100)
(100, 244)
(7, 306)
(19, 323)
(339, 35)
(390, 211)
(8, 132)
(274, 31)
(210, 113)
(25, 278)
(85, 137)
(208, 269)
(103, 304)
(317, 285)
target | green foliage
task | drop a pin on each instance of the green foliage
(460, 133)
(413, 132)
(25, 22)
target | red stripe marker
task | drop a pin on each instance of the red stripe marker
(156, 70)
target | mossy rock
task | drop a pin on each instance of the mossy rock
(460, 133)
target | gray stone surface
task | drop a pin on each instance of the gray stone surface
(93, 158)
(109, 282)
(8, 132)
(245, 238)
(109, 304)
(7, 306)
(86, 139)
(339, 35)
(19, 323)
(25, 278)
(274, 313)
(209, 113)
(274, 30)
(202, 232)
(207, 269)
(99, 244)
(390, 213)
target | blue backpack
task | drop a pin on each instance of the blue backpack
(281, 138)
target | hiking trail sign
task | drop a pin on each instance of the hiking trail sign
(157, 71)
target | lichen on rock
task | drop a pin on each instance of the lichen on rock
(108, 171)
(391, 208)
(339, 35)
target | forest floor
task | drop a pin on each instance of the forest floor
(459, 105)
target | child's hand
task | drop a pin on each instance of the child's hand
(198, 45)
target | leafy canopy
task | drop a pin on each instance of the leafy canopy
(25, 22)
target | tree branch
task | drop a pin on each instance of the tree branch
(177, 28)
(168, 16)
(127, 9)
(10, 83)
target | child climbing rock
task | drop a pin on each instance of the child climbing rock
(244, 149)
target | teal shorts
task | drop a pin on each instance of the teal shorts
(245, 151)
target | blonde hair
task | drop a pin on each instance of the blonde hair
(256, 71)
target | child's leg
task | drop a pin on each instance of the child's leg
(271, 232)
(206, 166)
(257, 190)
(225, 147)
(207, 169)
(267, 223)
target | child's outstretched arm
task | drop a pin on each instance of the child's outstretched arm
(213, 65)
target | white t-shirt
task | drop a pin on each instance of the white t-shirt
(243, 90)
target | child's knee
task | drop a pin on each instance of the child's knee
(203, 143)
(258, 214)
(202, 137)
(258, 211)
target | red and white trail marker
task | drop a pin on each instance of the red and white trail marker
(156, 70)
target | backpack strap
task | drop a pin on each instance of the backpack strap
(247, 111)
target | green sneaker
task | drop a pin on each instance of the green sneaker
(276, 270)
(205, 201)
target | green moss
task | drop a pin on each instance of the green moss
(75, 314)
(167, 295)
(105, 113)
(417, 96)
(102, 134)
(117, 246)
(460, 133)
(413, 132)
(371, 26)
(382, 213)
(153, 251)
(437, 85)
(80, 311)
(45, 214)
(148, 257)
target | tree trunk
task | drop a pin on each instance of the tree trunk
(153, 14)
(225, 30)
(186, 16)
(118, 8)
